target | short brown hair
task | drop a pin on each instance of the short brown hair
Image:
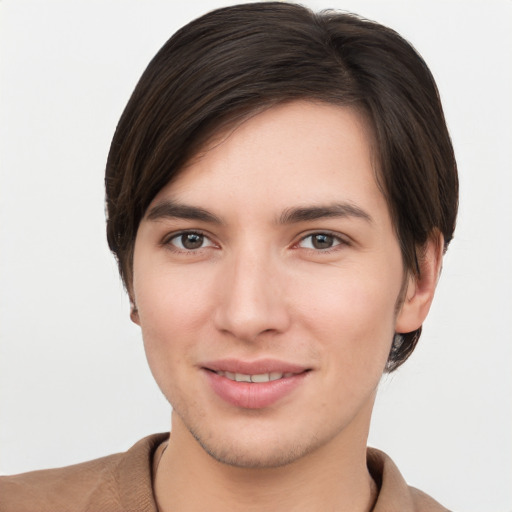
(237, 60)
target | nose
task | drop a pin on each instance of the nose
(252, 299)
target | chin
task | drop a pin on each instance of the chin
(255, 458)
(255, 453)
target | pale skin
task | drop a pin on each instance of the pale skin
(274, 244)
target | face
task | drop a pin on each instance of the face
(266, 278)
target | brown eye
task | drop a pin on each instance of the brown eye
(320, 241)
(190, 241)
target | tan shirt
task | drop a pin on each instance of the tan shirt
(123, 483)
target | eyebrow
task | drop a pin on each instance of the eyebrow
(308, 213)
(172, 209)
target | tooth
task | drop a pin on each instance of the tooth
(261, 377)
(257, 378)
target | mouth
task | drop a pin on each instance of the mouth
(256, 384)
(257, 378)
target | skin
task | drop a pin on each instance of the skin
(260, 286)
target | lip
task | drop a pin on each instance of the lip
(253, 367)
(248, 395)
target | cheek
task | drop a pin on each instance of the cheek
(173, 310)
(352, 313)
(168, 321)
(171, 300)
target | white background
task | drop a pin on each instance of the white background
(74, 383)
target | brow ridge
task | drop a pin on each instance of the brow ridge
(309, 213)
(172, 209)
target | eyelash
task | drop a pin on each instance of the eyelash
(168, 241)
(337, 240)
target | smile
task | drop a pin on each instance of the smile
(254, 384)
(257, 378)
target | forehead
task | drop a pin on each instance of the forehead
(301, 148)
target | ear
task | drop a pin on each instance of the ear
(421, 287)
(134, 313)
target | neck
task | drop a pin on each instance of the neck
(333, 477)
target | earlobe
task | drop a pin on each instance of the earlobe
(421, 288)
(134, 313)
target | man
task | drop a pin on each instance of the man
(280, 190)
